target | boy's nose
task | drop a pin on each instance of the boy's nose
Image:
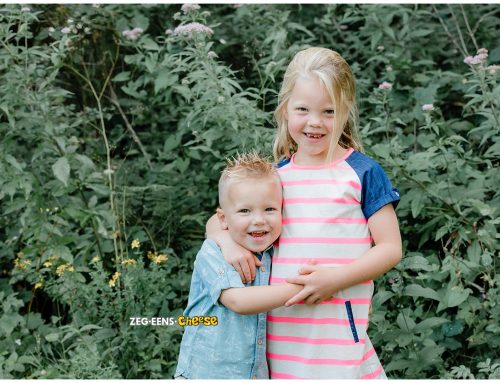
(258, 219)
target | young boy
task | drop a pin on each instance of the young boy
(250, 209)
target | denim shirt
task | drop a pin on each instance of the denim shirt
(236, 347)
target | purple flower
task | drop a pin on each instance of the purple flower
(66, 30)
(482, 55)
(427, 107)
(186, 8)
(192, 29)
(482, 51)
(385, 85)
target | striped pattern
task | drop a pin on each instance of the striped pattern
(322, 221)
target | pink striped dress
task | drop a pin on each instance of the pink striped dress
(325, 212)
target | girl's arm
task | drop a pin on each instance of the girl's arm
(243, 260)
(322, 282)
(258, 299)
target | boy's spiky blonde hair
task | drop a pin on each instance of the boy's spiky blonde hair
(244, 166)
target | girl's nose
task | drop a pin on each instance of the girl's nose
(314, 120)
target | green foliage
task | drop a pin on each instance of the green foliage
(110, 137)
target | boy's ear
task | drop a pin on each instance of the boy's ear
(222, 218)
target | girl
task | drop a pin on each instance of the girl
(336, 202)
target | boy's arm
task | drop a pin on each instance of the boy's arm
(258, 299)
(323, 282)
(243, 260)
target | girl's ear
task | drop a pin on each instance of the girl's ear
(222, 218)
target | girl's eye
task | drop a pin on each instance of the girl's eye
(330, 111)
(301, 109)
(270, 209)
(244, 211)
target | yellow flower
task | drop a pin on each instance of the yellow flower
(129, 262)
(135, 244)
(160, 259)
(114, 278)
(47, 264)
(95, 259)
(63, 268)
(21, 264)
(38, 285)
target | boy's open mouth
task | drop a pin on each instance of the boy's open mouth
(258, 234)
(314, 136)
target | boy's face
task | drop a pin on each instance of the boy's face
(252, 212)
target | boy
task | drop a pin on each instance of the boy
(250, 201)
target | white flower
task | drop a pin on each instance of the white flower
(18, 342)
(192, 29)
(66, 30)
(86, 30)
(133, 34)
(388, 68)
(71, 21)
(108, 172)
(427, 107)
(169, 31)
(385, 85)
(189, 7)
(25, 9)
(212, 55)
(221, 99)
(52, 29)
(222, 41)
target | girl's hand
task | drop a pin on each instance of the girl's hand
(319, 285)
(243, 260)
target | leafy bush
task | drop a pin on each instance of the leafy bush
(115, 122)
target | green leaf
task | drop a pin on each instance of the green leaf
(419, 291)
(11, 160)
(429, 323)
(456, 295)
(61, 170)
(52, 337)
(122, 76)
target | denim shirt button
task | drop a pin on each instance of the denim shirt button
(262, 269)
(259, 341)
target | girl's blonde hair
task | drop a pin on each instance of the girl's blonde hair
(336, 76)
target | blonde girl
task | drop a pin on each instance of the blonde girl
(338, 213)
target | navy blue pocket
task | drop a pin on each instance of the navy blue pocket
(351, 321)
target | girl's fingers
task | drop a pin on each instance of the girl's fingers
(301, 296)
(308, 269)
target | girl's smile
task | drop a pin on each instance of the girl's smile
(310, 116)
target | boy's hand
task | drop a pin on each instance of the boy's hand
(243, 260)
(318, 285)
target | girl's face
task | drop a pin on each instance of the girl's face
(309, 113)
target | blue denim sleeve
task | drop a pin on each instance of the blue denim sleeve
(215, 273)
(376, 189)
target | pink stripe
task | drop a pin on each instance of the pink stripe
(287, 221)
(369, 354)
(337, 362)
(374, 374)
(341, 241)
(307, 320)
(296, 339)
(354, 184)
(277, 281)
(279, 375)
(319, 261)
(345, 201)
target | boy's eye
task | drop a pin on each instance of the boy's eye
(330, 111)
(301, 109)
(244, 211)
(270, 209)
